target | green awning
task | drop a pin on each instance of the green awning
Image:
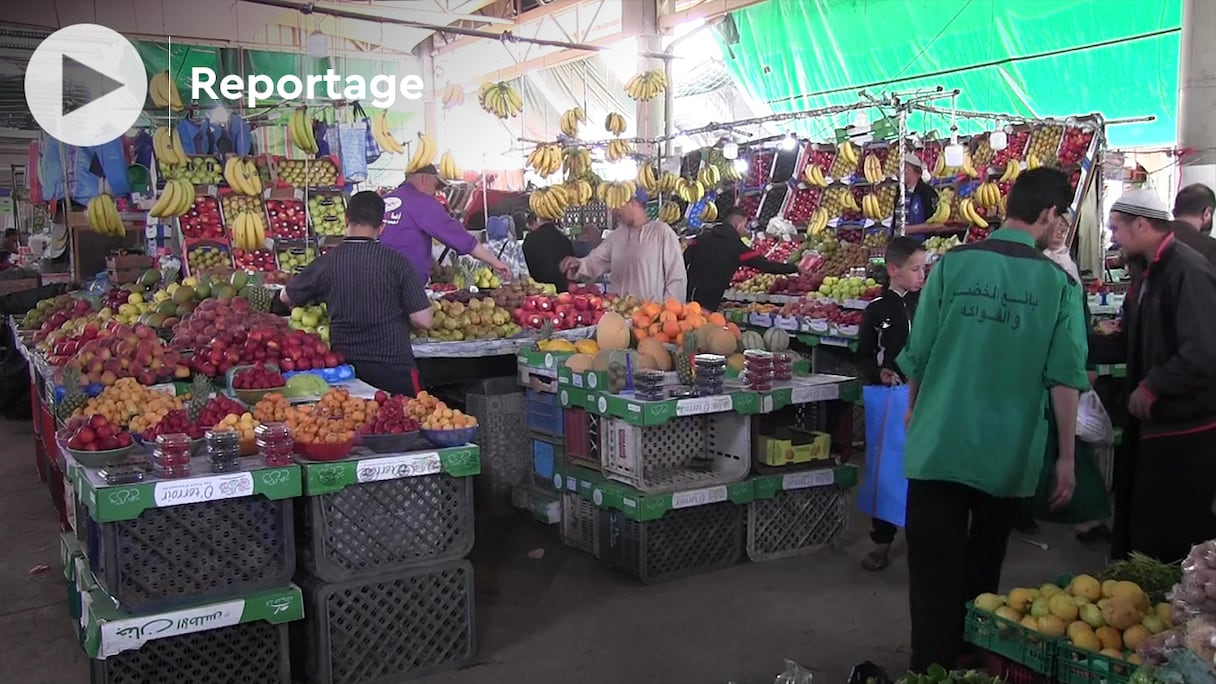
(1034, 58)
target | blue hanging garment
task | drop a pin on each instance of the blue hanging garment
(142, 149)
(111, 162)
(50, 167)
(194, 136)
(320, 130)
(241, 135)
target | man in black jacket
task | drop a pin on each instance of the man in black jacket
(712, 258)
(884, 331)
(544, 248)
(1165, 481)
(1193, 207)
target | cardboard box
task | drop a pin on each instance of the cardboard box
(794, 446)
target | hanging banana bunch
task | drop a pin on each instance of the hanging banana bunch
(648, 178)
(424, 154)
(669, 182)
(617, 150)
(617, 194)
(669, 213)
(546, 159)
(570, 121)
(382, 134)
(646, 85)
(615, 123)
(453, 96)
(447, 167)
(103, 217)
(164, 92)
(709, 176)
(576, 161)
(500, 99)
(549, 203)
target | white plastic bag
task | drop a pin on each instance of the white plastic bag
(781, 228)
(1093, 423)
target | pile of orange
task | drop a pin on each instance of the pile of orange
(332, 420)
(668, 322)
(444, 418)
(273, 408)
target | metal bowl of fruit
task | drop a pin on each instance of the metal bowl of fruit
(393, 442)
(95, 442)
(251, 383)
(450, 438)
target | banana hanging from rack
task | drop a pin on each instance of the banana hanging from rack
(545, 159)
(669, 213)
(549, 203)
(814, 176)
(709, 176)
(384, 137)
(423, 155)
(968, 167)
(848, 152)
(576, 161)
(175, 200)
(648, 178)
(709, 213)
(617, 150)
(102, 215)
(939, 166)
(849, 202)
(818, 222)
(570, 121)
(942, 213)
(164, 92)
(617, 194)
(872, 168)
(614, 123)
(168, 146)
(988, 195)
(236, 176)
(300, 127)
(869, 207)
(967, 209)
(500, 99)
(1033, 161)
(669, 182)
(453, 96)
(1012, 170)
(448, 168)
(646, 85)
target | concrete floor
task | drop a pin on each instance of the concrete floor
(561, 617)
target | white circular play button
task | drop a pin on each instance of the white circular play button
(93, 63)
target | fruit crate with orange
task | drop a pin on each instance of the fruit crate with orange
(378, 513)
(164, 544)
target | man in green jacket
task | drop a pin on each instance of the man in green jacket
(998, 344)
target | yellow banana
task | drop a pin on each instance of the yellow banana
(424, 153)
(848, 152)
(251, 176)
(165, 200)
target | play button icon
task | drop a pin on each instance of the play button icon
(86, 85)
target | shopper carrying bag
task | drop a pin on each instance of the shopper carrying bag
(884, 489)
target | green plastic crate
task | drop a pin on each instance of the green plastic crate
(1011, 640)
(1078, 666)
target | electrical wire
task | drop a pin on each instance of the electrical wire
(933, 40)
(981, 65)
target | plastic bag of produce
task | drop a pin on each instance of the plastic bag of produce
(1196, 593)
(884, 489)
(780, 228)
(1093, 423)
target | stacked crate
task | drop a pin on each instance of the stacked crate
(383, 541)
(545, 421)
(186, 579)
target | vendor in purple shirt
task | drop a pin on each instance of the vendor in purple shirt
(412, 217)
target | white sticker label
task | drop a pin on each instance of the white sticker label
(808, 479)
(806, 394)
(199, 489)
(597, 497)
(548, 360)
(557, 481)
(698, 497)
(571, 483)
(695, 407)
(576, 380)
(565, 397)
(603, 404)
(593, 380)
(165, 388)
(131, 633)
(398, 467)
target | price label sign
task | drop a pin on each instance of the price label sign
(698, 497)
(398, 467)
(701, 405)
(808, 479)
(807, 394)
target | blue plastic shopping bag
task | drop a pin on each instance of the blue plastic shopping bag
(884, 489)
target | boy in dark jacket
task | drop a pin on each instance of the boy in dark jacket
(712, 258)
(884, 331)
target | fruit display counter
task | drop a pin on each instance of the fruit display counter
(648, 444)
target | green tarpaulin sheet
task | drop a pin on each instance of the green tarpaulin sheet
(1034, 58)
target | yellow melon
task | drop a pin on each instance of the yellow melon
(644, 362)
(656, 351)
(580, 363)
(717, 340)
(612, 332)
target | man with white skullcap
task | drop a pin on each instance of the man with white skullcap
(1165, 478)
(921, 198)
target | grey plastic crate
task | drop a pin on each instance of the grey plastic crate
(683, 542)
(253, 652)
(580, 523)
(377, 527)
(387, 629)
(195, 553)
(506, 451)
(796, 522)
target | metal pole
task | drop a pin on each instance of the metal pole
(903, 192)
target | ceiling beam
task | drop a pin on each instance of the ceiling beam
(548, 61)
(705, 9)
(529, 17)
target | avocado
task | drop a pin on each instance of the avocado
(166, 308)
(183, 294)
(238, 280)
(150, 278)
(202, 291)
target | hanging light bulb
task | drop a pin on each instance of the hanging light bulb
(741, 166)
(861, 120)
(730, 150)
(789, 142)
(219, 115)
(954, 152)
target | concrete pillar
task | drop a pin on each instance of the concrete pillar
(1197, 93)
(430, 111)
(649, 115)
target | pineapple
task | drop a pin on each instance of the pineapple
(259, 298)
(200, 394)
(684, 359)
(74, 399)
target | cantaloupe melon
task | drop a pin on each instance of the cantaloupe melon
(612, 332)
(776, 339)
(752, 340)
(580, 363)
(735, 361)
(656, 351)
(644, 362)
(716, 340)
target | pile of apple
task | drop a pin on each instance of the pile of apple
(255, 260)
(259, 377)
(843, 317)
(823, 159)
(59, 345)
(202, 220)
(814, 309)
(1014, 146)
(174, 422)
(226, 333)
(96, 433)
(390, 418)
(563, 312)
(288, 219)
(803, 205)
(1075, 145)
(55, 310)
(795, 284)
(128, 352)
